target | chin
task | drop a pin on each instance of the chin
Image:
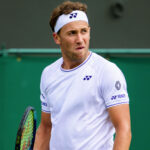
(81, 56)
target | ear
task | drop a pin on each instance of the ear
(56, 38)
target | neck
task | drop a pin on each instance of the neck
(70, 64)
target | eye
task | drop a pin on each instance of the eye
(72, 32)
(85, 30)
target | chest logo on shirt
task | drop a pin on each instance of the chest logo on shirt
(87, 77)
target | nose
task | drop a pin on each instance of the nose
(79, 39)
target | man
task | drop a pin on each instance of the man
(84, 96)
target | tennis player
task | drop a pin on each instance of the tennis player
(84, 96)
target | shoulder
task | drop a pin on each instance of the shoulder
(98, 58)
(107, 71)
(49, 72)
(103, 65)
(112, 77)
(52, 67)
(111, 70)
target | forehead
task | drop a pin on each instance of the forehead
(75, 25)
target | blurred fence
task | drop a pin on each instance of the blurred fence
(20, 71)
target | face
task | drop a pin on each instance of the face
(74, 40)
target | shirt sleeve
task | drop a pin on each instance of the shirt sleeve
(43, 96)
(114, 87)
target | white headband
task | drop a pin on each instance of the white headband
(64, 19)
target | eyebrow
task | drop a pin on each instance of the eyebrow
(77, 29)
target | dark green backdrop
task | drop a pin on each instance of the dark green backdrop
(19, 87)
(24, 24)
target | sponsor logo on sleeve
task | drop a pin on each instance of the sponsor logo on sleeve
(44, 104)
(43, 96)
(119, 96)
(118, 85)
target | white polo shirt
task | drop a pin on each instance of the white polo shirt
(77, 100)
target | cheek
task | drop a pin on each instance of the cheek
(87, 39)
(68, 43)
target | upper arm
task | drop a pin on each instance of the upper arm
(120, 116)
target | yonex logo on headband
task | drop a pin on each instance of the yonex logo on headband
(64, 19)
(73, 15)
